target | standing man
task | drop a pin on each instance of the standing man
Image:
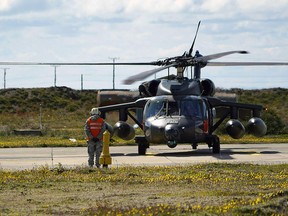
(94, 128)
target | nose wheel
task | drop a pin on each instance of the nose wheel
(143, 144)
(194, 145)
(215, 144)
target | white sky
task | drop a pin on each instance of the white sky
(133, 31)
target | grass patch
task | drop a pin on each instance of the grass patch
(205, 189)
(70, 141)
(45, 141)
(283, 138)
(41, 141)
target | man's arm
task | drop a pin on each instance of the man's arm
(103, 128)
(87, 131)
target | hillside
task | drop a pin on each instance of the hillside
(21, 100)
(56, 109)
(62, 108)
(275, 100)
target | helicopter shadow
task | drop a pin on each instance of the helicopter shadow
(225, 154)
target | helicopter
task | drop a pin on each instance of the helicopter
(176, 109)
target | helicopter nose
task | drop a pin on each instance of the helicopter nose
(171, 132)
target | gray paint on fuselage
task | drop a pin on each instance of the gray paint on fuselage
(189, 127)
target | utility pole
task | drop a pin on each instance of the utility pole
(40, 117)
(113, 59)
(5, 69)
(81, 82)
(55, 73)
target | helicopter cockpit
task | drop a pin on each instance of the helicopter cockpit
(181, 118)
(190, 107)
(160, 107)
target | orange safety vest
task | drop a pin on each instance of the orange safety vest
(95, 126)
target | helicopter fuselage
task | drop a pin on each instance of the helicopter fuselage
(176, 119)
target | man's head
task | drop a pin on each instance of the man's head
(95, 111)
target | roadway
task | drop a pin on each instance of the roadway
(28, 158)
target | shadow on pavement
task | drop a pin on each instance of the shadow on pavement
(225, 154)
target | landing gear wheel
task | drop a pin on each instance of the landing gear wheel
(216, 144)
(142, 148)
(143, 144)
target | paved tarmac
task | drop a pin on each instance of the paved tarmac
(28, 158)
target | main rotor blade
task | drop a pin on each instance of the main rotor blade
(218, 55)
(246, 63)
(145, 74)
(192, 46)
(77, 63)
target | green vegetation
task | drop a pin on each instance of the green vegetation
(203, 189)
(276, 103)
(60, 107)
(64, 111)
(70, 141)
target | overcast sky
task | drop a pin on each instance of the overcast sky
(133, 31)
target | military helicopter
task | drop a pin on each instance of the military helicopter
(177, 109)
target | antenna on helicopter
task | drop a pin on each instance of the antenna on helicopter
(181, 69)
(191, 48)
(197, 69)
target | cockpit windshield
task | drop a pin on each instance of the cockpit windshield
(161, 107)
(189, 107)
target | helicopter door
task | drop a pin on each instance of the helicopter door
(205, 118)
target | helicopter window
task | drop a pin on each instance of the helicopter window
(161, 108)
(173, 108)
(154, 107)
(191, 108)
